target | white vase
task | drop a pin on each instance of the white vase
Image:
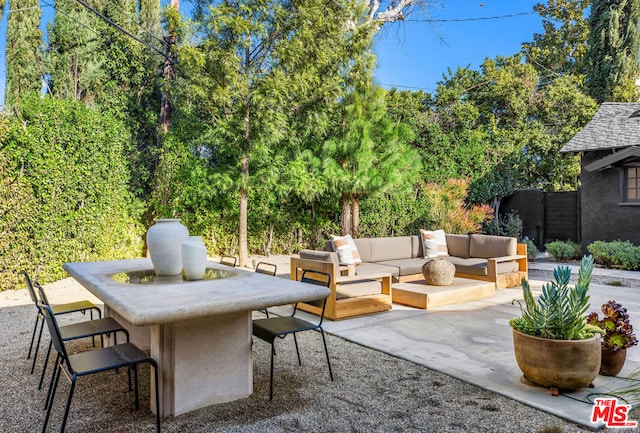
(164, 242)
(194, 258)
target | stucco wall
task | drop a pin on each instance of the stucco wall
(602, 217)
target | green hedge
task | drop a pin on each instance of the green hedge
(65, 190)
(618, 254)
(563, 251)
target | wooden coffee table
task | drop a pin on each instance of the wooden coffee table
(419, 294)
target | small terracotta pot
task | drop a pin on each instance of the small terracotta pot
(612, 362)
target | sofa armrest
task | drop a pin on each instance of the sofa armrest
(508, 258)
(347, 270)
(520, 257)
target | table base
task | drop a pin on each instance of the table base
(201, 361)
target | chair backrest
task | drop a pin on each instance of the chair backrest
(54, 331)
(229, 261)
(32, 293)
(312, 277)
(42, 295)
(266, 268)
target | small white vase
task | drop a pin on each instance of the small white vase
(164, 240)
(194, 258)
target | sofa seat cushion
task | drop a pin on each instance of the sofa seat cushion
(406, 266)
(475, 266)
(376, 268)
(358, 289)
(471, 266)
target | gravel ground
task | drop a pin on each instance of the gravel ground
(372, 391)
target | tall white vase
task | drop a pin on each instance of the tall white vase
(164, 241)
(194, 258)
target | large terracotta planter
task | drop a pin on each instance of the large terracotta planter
(612, 362)
(563, 364)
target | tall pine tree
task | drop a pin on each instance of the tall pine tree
(73, 59)
(23, 56)
(612, 53)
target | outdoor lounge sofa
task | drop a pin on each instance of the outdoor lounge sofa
(497, 259)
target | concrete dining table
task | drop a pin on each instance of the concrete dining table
(199, 332)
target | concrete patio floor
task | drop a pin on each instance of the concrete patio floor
(473, 342)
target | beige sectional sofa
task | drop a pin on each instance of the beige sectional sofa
(497, 259)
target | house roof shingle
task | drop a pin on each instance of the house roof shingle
(613, 126)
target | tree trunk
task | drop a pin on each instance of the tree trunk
(243, 248)
(346, 214)
(165, 105)
(355, 209)
(243, 253)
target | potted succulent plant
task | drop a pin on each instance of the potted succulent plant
(618, 336)
(553, 344)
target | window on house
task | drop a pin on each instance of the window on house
(632, 184)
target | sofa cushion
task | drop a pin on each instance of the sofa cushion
(458, 245)
(434, 243)
(473, 266)
(416, 247)
(390, 248)
(488, 246)
(478, 266)
(406, 266)
(376, 268)
(364, 248)
(347, 250)
(321, 256)
(360, 288)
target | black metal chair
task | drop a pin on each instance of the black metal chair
(90, 328)
(273, 327)
(90, 362)
(71, 307)
(229, 261)
(267, 269)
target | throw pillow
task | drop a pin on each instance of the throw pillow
(434, 243)
(347, 250)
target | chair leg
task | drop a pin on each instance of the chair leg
(135, 382)
(50, 403)
(295, 340)
(129, 377)
(33, 335)
(56, 372)
(66, 410)
(35, 353)
(44, 367)
(273, 352)
(326, 352)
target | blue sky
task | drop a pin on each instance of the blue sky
(414, 54)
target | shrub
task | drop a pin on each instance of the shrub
(619, 254)
(563, 251)
(532, 250)
(65, 182)
(447, 210)
(510, 225)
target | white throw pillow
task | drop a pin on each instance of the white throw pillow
(434, 243)
(347, 251)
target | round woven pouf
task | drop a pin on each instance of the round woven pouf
(438, 272)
